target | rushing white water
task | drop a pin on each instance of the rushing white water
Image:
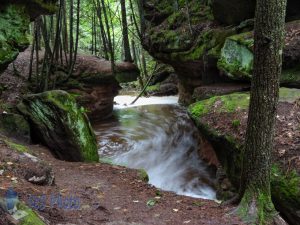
(160, 139)
(124, 101)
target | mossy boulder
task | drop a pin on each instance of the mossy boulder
(13, 26)
(15, 125)
(285, 185)
(236, 58)
(58, 122)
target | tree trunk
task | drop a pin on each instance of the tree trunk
(256, 203)
(126, 45)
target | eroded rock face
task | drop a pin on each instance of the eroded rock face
(193, 45)
(15, 17)
(58, 122)
(94, 85)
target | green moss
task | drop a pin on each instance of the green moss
(225, 103)
(236, 59)
(264, 212)
(32, 218)
(285, 187)
(17, 147)
(288, 94)
(57, 109)
(153, 88)
(143, 175)
(13, 25)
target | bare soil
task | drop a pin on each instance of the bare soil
(287, 138)
(108, 194)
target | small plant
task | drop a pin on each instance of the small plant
(236, 123)
(143, 175)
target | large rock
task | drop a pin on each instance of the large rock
(59, 123)
(236, 59)
(15, 17)
(94, 85)
(236, 11)
(226, 134)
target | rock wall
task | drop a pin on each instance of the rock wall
(15, 17)
(94, 85)
(193, 37)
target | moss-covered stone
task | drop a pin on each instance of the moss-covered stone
(60, 124)
(14, 22)
(17, 147)
(225, 103)
(236, 60)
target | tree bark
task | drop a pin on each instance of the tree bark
(255, 179)
(126, 45)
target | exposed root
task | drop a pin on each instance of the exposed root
(258, 209)
(233, 201)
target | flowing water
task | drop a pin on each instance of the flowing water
(157, 135)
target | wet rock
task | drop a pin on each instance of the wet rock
(15, 125)
(236, 59)
(58, 122)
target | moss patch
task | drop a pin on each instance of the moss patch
(143, 175)
(61, 125)
(31, 218)
(17, 147)
(225, 103)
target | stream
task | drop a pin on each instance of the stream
(157, 135)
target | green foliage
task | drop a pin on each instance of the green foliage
(143, 175)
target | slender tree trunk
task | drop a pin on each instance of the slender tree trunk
(126, 45)
(110, 44)
(255, 180)
(71, 42)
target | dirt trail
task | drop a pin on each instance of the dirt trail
(108, 195)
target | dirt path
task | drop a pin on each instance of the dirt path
(108, 195)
